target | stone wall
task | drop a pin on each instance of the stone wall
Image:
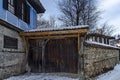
(99, 59)
(11, 60)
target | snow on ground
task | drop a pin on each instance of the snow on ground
(39, 77)
(111, 75)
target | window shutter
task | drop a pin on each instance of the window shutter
(18, 8)
(5, 4)
(27, 14)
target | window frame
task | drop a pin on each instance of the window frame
(18, 8)
(11, 6)
(10, 42)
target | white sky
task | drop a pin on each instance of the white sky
(110, 11)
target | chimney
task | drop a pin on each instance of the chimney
(100, 31)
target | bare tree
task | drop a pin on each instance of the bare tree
(78, 12)
(51, 22)
(108, 29)
(42, 23)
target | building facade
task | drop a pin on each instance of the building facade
(15, 16)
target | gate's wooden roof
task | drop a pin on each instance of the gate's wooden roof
(63, 32)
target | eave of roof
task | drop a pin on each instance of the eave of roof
(10, 26)
(37, 6)
(56, 33)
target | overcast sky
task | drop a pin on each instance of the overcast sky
(110, 11)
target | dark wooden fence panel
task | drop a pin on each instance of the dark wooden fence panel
(61, 56)
(35, 56)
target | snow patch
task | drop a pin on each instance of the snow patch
(39, 77)
(111, 75)
(58, 28)
(117, 67)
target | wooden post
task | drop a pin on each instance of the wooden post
(78, 43)
(80, 57)
(26, 47)
(43, 54)
(26, 53)
(79, 54)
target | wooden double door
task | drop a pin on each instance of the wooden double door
(60, 55)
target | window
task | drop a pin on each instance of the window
(90, 39)
(25, 12)
(11, 43)
(111, 41)
(105, 40)
(11, 6)
(100, 39)
(19, 8)
(96, 38)
(93, 38)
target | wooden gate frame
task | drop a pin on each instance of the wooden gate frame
(56, 34)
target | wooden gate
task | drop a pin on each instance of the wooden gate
(35, 55)
(60, 55)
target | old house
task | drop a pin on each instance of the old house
(15, 16)
(49, 50)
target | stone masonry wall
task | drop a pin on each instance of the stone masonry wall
(99, 59)
(11, 60)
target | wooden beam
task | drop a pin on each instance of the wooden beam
(40, 33)
(53, 37)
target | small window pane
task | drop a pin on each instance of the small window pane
(11, 7)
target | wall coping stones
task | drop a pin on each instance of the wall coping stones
(99, 45)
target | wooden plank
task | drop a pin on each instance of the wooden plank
(53, 32)
(53, 37)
